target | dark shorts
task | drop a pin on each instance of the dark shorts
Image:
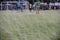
(30, 8)
(18, 7)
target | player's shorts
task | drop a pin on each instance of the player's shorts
(37, 8)
(30, 8)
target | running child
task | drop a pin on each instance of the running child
(18, 5)
(30, 7)
(37, 4)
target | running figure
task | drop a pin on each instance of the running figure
(37, 4)
(18, 5)
(30, 7)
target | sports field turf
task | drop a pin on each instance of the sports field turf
(16, 25)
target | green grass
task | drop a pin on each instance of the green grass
(16, 25)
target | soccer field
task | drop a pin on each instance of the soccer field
(16, 25)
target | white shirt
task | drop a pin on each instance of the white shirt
(59, 3)
(56, 4)
(45, 3)
(51, 4)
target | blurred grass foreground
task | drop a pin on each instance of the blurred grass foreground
(16, 25)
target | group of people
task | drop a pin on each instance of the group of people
(29, 6)
(22, 5)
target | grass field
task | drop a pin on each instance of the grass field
(16, 25)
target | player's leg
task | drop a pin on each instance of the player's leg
(21, 8)
(37, 10)
(30, 9)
